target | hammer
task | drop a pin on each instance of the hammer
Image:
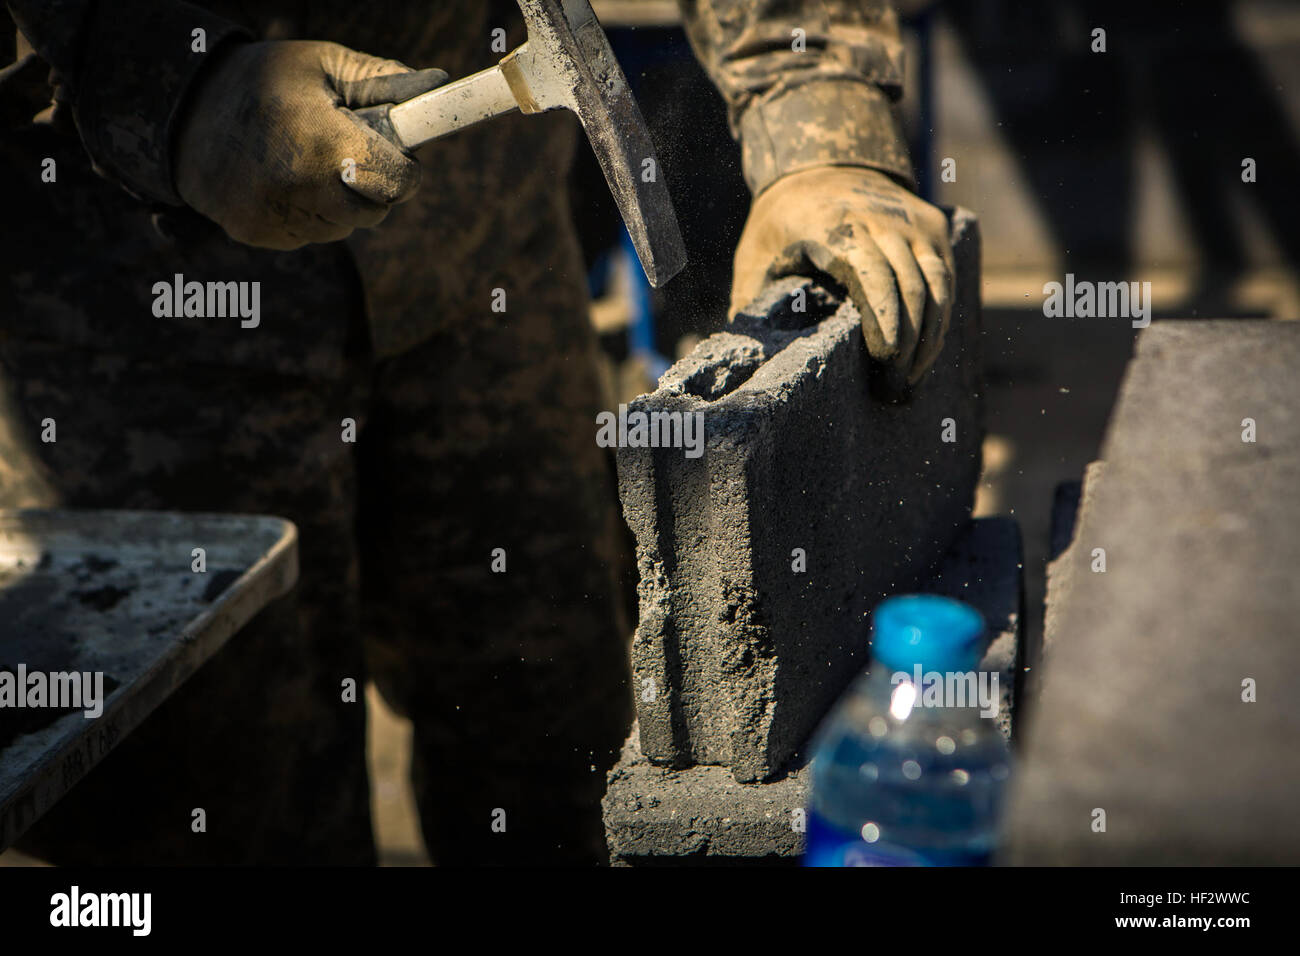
(566, 63)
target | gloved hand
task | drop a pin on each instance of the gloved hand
(265, 139)
(887, 247)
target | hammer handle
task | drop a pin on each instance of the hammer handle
(439, 112)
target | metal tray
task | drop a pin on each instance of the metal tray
(114, 592)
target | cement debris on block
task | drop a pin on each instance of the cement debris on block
(701, 814)
(760, 559)
(1166, 728)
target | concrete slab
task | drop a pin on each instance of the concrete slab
(1144, 711)
(739, 648)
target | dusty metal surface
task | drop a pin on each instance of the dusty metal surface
(114, 592)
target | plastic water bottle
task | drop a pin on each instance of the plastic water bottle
(906, 771)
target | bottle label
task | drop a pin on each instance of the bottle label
(829, 845)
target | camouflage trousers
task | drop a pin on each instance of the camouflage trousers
(464, 551)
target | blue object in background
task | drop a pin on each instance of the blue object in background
(897, 781)
(641, 329)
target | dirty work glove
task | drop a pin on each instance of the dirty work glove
(888, 248)
(268, 148)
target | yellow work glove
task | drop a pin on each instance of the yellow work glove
(269, 149)
(888, 248)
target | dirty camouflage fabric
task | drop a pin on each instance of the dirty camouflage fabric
(125, 68)
(520, 683)
(516, 682)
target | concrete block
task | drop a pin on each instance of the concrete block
(736, 655)
(1141, 712)
(654, 814)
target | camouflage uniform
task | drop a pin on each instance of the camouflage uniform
(476, 427)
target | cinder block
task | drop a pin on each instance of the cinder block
(736, 654)
(1168, 693)
(658, 815)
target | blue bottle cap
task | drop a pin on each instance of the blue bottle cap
(936, 632)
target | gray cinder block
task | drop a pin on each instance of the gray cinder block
(736, 654)
(658, 815)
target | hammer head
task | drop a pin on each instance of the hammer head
(567, 63)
